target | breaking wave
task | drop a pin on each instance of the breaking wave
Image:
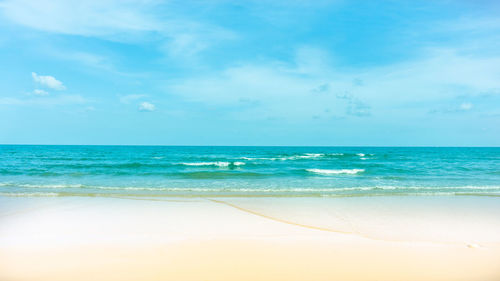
(335, 172)
(218, 164)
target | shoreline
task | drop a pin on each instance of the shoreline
(374, 238)
(149, 196)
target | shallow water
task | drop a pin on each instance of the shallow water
(247, 171)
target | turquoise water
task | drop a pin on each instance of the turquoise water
(247, 171)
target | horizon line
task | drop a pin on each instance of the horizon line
(218, 145)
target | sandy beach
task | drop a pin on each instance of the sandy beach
(163, 238)
(271, 140)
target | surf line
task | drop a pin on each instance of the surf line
(327, 229)
(287, 221)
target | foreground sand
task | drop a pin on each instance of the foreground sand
(393, 238)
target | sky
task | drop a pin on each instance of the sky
(329, 73)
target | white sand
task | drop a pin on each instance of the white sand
(373, 238)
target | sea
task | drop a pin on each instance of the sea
(277, 171)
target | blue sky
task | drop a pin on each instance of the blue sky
(250, 72)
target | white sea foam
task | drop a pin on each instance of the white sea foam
(263, 158)
(313, 155)
(235, 189)
(329, 191)
(295, 189)
(333, 172)
(29, 194)
(250, 158)
(468, 188)
(55, 186)
(304, 156)
(131, 188)
(218, 164)
(360, 154)
(292, 157)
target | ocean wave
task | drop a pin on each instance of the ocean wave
(29, 194)
(131, 165)
(258, 189)
(364, 156)
(310, 156)
(262, 158)
(221, 175)
(332, 195)
(51, 186)
(298, 189)
(287, 157)
(218, 164)
(334, 172)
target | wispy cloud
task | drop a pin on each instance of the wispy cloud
(355, 106)
(45, 101)
(186, 43)
(140, 21)
(88, 18)
(85, 58)
(48, 81)
(315, 66)
(308, 85)
(130, 98)
(39, 92)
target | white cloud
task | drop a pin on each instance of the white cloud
(39, 92)
(453, 109)
(466, 106)
(290, 90)
(146, 106)
(88, 18)
(117, 20)
(48, 81)
(130, 98)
